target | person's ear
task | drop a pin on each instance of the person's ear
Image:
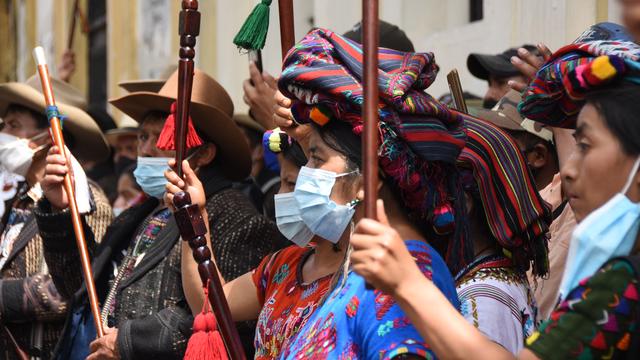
(538, 156)
(205, 156)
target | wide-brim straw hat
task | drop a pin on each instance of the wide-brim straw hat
(211, 112)
(89, 142)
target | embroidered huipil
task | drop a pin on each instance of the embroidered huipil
(597, 320)
(496, 299)
(287, 302)
(359, 323)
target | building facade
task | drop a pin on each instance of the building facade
(138, 39)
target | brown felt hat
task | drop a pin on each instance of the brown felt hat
(211, 112)
(89, 142)
(151, 85)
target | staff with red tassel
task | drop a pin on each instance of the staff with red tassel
(58, 140)
(209, 337)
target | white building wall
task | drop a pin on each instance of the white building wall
(433, 25)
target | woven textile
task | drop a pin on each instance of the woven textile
(515, 213)
(555, 96)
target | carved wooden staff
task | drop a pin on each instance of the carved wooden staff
(58, 140)
(188, 217)
(370, 109)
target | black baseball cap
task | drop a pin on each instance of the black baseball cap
(604, 31)
(483, 65)
(391, 37)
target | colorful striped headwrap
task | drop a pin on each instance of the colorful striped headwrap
(555, 95)
(515, 213)
(420, 137)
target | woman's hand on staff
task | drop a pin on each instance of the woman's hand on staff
(191, 184)
(380, 255)
(528, 64)
(53, 182)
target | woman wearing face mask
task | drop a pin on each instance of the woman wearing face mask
(597, 316)
(283, 291)
(420, 140)
(31, 307)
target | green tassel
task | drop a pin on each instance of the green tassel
(253, 33)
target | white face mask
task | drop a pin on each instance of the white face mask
(15, 154)
(320, 214)
(289, 221)
(605, 233)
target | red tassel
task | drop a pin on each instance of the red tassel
(166, 140)
(205, 342)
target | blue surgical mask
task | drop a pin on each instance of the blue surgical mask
(289, 221)
(149, 174)
(322, 215)
(605, 233)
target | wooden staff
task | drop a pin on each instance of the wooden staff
(190, 222)
(58, 140)
(287, 34)
(370, 110)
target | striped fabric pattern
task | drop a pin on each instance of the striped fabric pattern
(516, 214)
(555, 96)
(420, 137)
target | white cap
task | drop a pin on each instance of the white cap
(38, 55)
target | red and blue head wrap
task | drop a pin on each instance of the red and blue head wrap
(515, 213)
(420, 137)
(556, 94)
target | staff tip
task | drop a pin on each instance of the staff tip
(38, 55)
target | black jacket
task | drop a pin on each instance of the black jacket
(152, 316)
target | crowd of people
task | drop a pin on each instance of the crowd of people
(510, 231)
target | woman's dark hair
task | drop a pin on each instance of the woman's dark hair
(619, 106)
(339, 136)
(294, 153)
(41, 119)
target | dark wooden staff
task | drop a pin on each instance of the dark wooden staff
(188, 217)
(72, 27)
(76, 12)
(287, 34)
(58, 140)
(370, 109)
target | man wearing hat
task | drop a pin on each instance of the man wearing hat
(497, 70)
(137, 265)
(32, 311)
(534, 140)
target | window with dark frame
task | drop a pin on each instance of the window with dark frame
(475, 10)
